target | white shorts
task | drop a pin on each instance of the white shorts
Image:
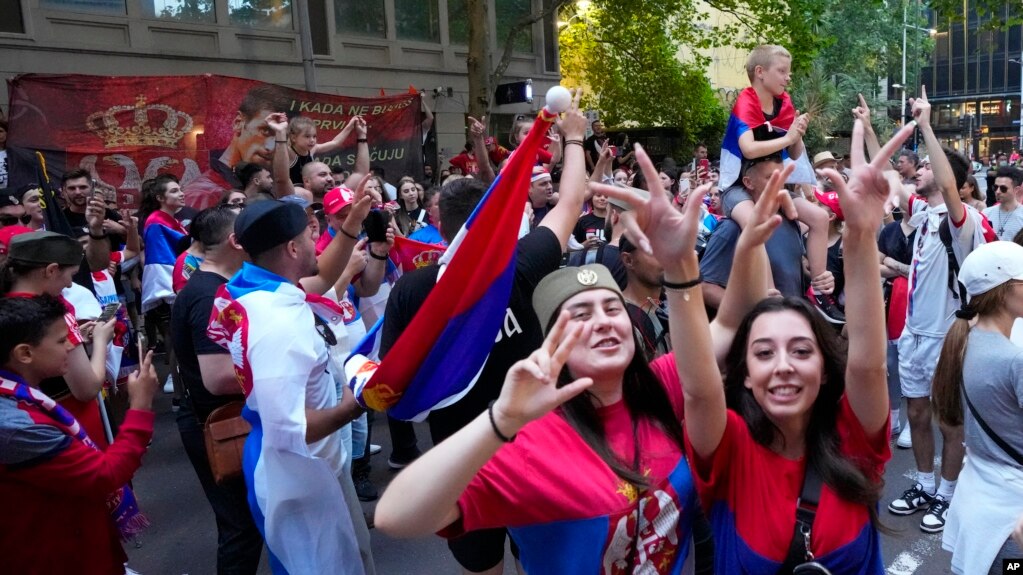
(918, 356)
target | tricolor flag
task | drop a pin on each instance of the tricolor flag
(161, 236)
(294, 489)
(407, 255)
(437, 358)
(747, 115)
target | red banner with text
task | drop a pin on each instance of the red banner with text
(126, 129)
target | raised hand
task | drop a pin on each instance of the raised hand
(95, 214)
(362, 202)
(765, 218)
(921, 108)
(531, 389)
(477, 128)
(142, 384)
(863, 199)
(278, 122)
(361, 129)
(573, 123)
(862, 112)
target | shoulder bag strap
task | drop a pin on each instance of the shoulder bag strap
(806, 510)
(991, 433)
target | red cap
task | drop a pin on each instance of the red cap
(337, 199)
(830, 199)
(539, 173)
(8, 232)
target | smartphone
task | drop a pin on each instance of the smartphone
(143, 345)
(375, 225)
(704, 164)
(614, 151)
(109, 311)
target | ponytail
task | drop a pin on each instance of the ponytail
(946, 391)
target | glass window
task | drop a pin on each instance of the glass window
(181, 10)
(11, 22)
(260, 13)
(320, 27)
(94, 6)
(360, 18)
(550, 40)
(417, 20)
(509, 12)
(458, 22)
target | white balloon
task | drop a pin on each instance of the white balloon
(558, 99)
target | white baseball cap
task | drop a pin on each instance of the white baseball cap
(991, 265)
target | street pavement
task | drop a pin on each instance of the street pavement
(183, 537)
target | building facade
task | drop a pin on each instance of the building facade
(360, 47)
(973, 84)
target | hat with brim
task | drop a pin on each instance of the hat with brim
(45, 248)
(822, 157)
(557, 287)
(624, 205)
(991, 265)
(337, 199)
(830, 199)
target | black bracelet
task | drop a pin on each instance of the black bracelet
(683, 285)
(342, 230)
(102, 236)
(281, 141)
(493, 424)
(361, 140)
(382, 258)
(576, 142)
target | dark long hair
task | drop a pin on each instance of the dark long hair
(152, 191)
(851, 479)
(644, 397)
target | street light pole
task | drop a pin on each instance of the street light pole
(1020, 62)
(902, 110)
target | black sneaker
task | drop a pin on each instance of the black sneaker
(934, 520)
(826, 306)
(364, 488)
(400, 461)
(913, 499)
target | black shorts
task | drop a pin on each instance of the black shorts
(480, 550)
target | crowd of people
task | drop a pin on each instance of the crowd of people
(701, 367)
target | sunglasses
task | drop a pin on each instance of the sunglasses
(9, 220)
(1002, 188)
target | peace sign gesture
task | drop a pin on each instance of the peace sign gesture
(870, 186)
(530, 389)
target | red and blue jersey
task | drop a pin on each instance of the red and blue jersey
(567, 510)
(750, 493)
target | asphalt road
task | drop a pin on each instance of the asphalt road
(182, 538)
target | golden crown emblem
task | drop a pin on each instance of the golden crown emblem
(426, 258)
(129, 125)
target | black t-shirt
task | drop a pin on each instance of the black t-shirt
(295, 171)
(762, 132)
(190, 315)
(895, 244)
(592, 146)
(588, 226)
(83, 276)
(538, 254)
(836, 267)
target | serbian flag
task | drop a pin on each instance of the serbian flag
(161, 236)
(407, 255)
(437, 358)
(748, 115)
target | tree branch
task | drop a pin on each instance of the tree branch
(509, 42)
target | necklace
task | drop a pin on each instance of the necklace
(1001, 224)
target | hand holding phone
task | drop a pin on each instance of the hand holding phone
(109, 311)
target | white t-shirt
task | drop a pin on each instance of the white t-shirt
(931, 303)
(1006, 224)
(3, 168)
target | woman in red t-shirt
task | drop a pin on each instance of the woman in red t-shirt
(790, 400)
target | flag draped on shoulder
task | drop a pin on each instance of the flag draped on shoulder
(161, 236)
(437, 358)
(293, 486)
(747, 114)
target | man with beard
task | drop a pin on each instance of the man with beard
(280, 333)
(255, 180)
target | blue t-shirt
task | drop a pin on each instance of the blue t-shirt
(784, 250)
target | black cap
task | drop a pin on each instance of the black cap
(265, 225)
(7, 198)
(45, 248)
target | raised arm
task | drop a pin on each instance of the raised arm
(862, 113)
(563, 216)
(478, 134)
(132, 243)
(423, 498)
(362, 147)
(280, 168)
(97, 248)
(944, 178)
(334, 259)
(863, 200)
(337, 141)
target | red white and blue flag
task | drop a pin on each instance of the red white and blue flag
(161, 236)
(438, 357)
(747, 114)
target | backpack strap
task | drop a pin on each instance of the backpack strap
(954, 285)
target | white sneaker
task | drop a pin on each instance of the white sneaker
(374, 449)
(905, 440)
(168, 386)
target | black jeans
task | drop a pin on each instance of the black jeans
(239, 543)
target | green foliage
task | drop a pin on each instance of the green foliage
(188, 11)
(261, 13)
(995, 14)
